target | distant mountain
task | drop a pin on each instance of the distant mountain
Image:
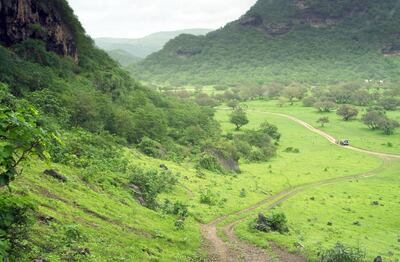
(304, 41)
(142, 47)
(123, 57)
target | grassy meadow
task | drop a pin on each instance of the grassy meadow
(107, 214)
(359, 212)
(355, 130)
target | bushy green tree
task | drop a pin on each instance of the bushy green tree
(347, 112)
(389, 103)
(270, 130)
(378, 120)
(239, 118)
(325, 106)
(373, 118)
(21, 136)
(323, 121)
(309, 101)
(294, 92)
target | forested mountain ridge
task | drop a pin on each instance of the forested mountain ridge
(287, 41)
(142, 47)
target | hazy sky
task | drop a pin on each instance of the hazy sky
(136, 18)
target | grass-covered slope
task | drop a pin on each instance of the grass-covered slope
(98, 118)
(286, 41)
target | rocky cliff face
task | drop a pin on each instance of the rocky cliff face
(22, 19)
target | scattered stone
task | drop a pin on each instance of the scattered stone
(46, 219)
(298, 245)
(56, 175)
(378, 259)
(162, 166)
(83, 251)
(375, 203)
(137, 192)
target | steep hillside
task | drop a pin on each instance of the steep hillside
(147, 45)
(81, 145)
(287, 41)
(123, 57)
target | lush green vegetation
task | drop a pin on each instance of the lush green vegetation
(95, 166)
(285, 42)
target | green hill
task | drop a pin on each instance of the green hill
(142, 47)
(81, 144)
(123, 57)
(287, 41)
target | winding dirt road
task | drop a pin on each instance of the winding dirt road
(235, 250)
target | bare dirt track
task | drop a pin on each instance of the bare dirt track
(237, 250)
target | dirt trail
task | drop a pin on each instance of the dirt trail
(237, 250)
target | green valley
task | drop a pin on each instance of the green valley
(274, 138)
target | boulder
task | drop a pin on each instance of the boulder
(54, 174)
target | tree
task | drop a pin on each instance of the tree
(232, 104)
(294, 92)
(325, 106)
(388, 126)
(309, 101)
(389, 103)
(347, 112)
(239, 118)
(20, 136)
(361, 98)
(323, 120)
(373, 118)
(270, 130)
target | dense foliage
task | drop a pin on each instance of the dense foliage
(286, 41)
(342, 253)
(275, 222)
(20, 136)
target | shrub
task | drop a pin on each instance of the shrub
(341, 253)
(151, 183)
(176, 208)
(179, 224)
(275, 222)
(210, 162)
(151, 148)
(15, 221)
(270, 130)
(309, 101)
(292, 150)
(208, 198)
